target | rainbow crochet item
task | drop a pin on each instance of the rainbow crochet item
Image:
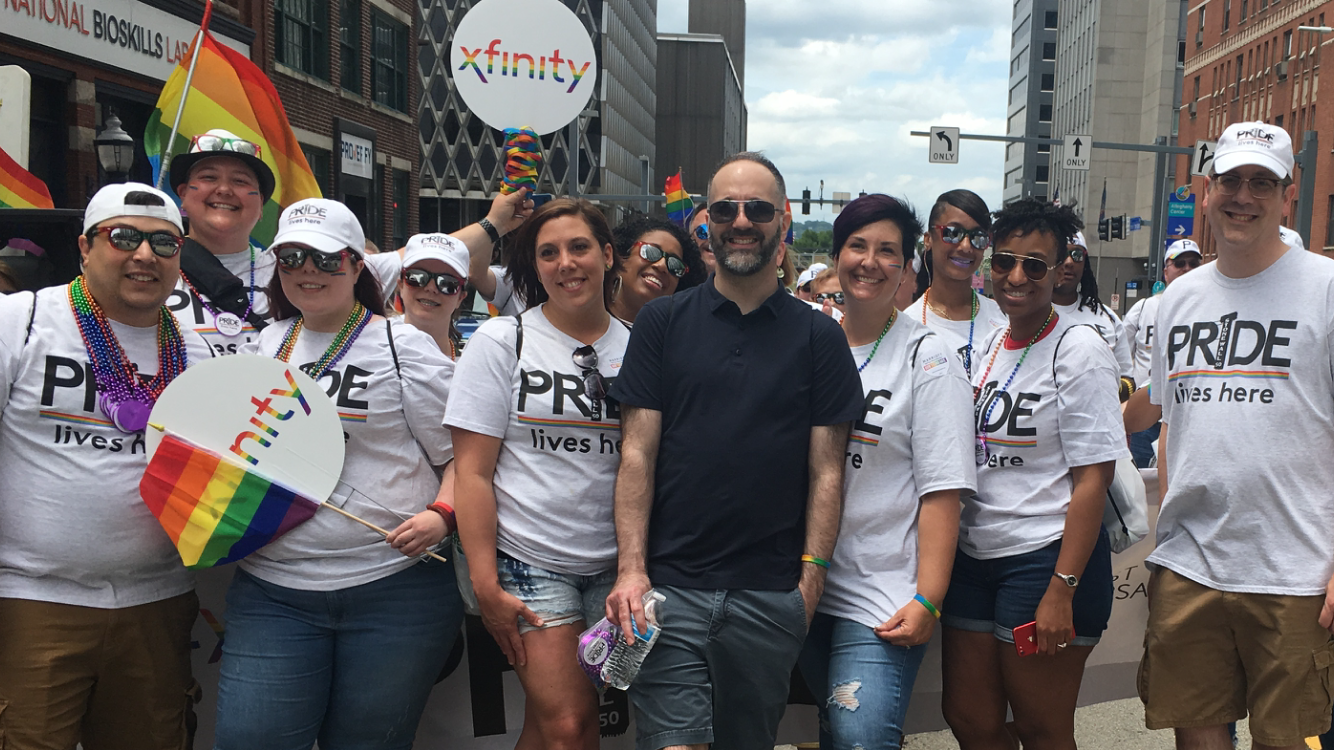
(523, 160)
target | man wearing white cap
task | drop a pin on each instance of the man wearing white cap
(803, 291)
(435, 268)
(1241, 600)
(1182, 256)
(95, 605)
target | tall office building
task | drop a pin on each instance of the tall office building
(1029, 111)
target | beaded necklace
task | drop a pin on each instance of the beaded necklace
(122, 397)
(893, 315)
(228, 324)
(972, 321)
(346, 336)
(981, 451)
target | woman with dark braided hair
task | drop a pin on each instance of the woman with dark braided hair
(1076, 299)
(1031, 589)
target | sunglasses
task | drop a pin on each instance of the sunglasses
(163, 244)
(758, 211)
(835, 297)
(1261, 187)
(1186, 262)
(217, 143)
(702, 232)
(446, 284)
(1034, 268)
(1079, 254)
(595, 387)
(293, 257)
(652, 253)
(954, 234)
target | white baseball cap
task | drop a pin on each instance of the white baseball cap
(1257, 144)
(326, 225)
(1181, 247)
(1291, 238)
(128, 199)
(449, 250)
(810, 273)
(1079, 240)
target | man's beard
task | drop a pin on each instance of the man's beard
(741, 262)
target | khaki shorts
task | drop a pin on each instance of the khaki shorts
(113, 679)
(1212, 657)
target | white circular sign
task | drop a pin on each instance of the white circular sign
(524, 63)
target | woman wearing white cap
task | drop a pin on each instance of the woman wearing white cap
(333, 635)
(435, 268)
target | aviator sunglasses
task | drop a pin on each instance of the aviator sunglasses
(218, 143)
(652, 253)
(163, 244)
(1034, 268)
(757, 211)
(702, 232)
(293, 257)
(953, 234)
(444, 283)
(835, 297)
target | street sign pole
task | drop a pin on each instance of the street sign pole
(1158, 232)
(1306, 188)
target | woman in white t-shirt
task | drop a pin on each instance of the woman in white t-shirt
(1031, 590)
(435, 270)
(908, 461)
(958, 234)
(538, 447)
(334, 635)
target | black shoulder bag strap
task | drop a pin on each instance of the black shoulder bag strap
(393, 350)
(224, 291)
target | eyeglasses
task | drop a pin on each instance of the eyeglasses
(1034, 268)
(726, 211)
(1078, 254)
(163, 244)
(835, 297)
(1261, 187)
(652, 253)
(595, 388)
(447, 284)
(218, 143)
(293, 257)
(954, 234)
(702, 232)
(1186, 262)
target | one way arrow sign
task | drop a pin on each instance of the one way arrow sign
(944, 147)
(1075, 151)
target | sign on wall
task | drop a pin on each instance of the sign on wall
(358, 156)
(538, 73)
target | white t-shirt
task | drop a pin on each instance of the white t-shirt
(955, 333)
(391, 427)
(1109, 327)
(192, 313)
(1249, 505)
(387, 268)
(836, 314)
(506, 300)
(1035, 433)
(557, 465)
(73, 528)
(919, 415)
(1139, 329)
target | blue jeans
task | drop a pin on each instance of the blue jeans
(1141, 445)
(349, 668)
(863, 683)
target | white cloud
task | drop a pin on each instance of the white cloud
(996, 49)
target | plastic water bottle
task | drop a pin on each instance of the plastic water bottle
(605, 656)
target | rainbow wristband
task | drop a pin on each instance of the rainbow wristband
(815, 561)
(929, 606)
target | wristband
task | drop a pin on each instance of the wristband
(815, 561)
(929, 606)
(490, 228)
(446, 513)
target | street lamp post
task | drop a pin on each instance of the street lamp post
(115, 149)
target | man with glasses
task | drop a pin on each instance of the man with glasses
(95, 605)
(699, 232)
(1182, 256)
(1242, 596)
(736, 401)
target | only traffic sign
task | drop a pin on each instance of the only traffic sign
(1075, 152)
(944, 147)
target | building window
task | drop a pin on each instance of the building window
(1329, 223)
(300, 37)
(1242, 17)
(349, 44)
(400, 208)
(1048, 82)
(1044, 113)
(319, 161)
(1049, 50)
(1042, 173)
(1051, 20)
(390, 53)
(1227, 14)
(1181, 54)
(1287, 44)
(1044, 148)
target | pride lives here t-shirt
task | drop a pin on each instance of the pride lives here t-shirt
(1244, 371)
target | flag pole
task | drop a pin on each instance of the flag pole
(371, 526)
(189, 76)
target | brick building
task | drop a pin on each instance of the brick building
(1247, 60)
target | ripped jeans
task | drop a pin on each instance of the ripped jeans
(863, 684)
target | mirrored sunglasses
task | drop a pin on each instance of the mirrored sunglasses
(835, 297)
(1078, 254)
(595, 386)
(446, 284)
(201, 143)
(954, 234)
(163, 244)
(292, 258)
(652, 253)
(757, 211)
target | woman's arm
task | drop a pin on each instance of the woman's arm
(1055, 615)
(429, 527)
(937, 539)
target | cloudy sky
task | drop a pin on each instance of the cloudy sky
(834, 92)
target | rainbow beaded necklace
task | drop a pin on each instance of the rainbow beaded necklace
(122, 396)
(346, 336)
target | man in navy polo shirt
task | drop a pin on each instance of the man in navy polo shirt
(736, 401)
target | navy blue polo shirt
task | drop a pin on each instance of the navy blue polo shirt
(738, 395)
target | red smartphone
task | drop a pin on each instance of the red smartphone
(1026, 639)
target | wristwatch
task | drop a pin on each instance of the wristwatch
(1071, 581)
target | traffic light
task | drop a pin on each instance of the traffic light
(1104, 230)
(1119, 227)
(806, 202)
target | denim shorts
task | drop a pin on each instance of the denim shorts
(558, 598)
(999, 595)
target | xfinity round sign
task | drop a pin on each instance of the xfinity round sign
(523, 63)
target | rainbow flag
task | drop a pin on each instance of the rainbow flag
(679, 206)
(230, 92)
(19, 188)
(216, 511)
